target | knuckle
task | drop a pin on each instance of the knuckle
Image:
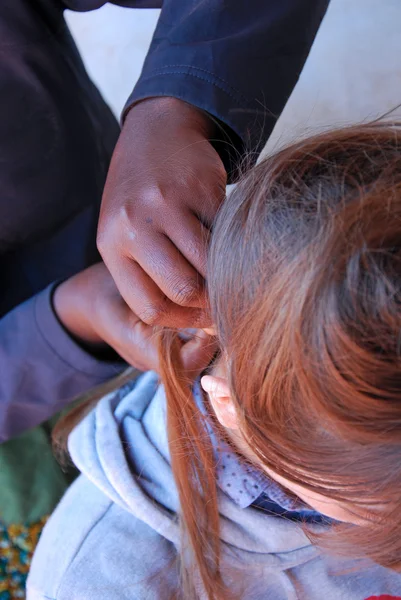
(152, 315)
(154, 197)
(101, 241)
(117, 235)
(184, 292)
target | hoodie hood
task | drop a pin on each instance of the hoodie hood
(122, 448)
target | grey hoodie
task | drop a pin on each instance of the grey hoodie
(114, 535)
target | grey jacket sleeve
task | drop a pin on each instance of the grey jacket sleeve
(41, 368)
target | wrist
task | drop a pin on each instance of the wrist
(69, 305)
(173, 111)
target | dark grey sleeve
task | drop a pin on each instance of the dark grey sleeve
(41, 367)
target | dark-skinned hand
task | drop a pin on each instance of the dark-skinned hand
(164, 187)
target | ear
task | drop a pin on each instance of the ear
(219, 394)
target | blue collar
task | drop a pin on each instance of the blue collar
(241, 481)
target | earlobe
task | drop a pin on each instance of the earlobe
(219, 394)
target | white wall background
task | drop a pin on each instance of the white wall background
(113, 42)
(353, 72)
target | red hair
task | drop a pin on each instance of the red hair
(304, 282)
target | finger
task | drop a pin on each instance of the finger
(207, 208)
(128, 336)
(170, 271)
(141, 345)
(207, 186)
(210, 330)
(149, 303)
(198, 353)
(142, 361)
(190, 237)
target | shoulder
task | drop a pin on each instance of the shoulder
(95, 549)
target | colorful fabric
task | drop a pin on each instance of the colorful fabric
(31, 480)
(17, 543)
(31, 484)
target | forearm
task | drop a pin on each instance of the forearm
(42, 368)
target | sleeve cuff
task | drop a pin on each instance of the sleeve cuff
(204, 91)
(64, 347)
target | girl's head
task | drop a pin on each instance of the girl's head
(304, 282)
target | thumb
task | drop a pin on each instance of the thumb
(198, 352)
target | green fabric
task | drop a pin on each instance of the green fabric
(31, 481)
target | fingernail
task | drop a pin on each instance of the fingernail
(200, 336)
(210, 330)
